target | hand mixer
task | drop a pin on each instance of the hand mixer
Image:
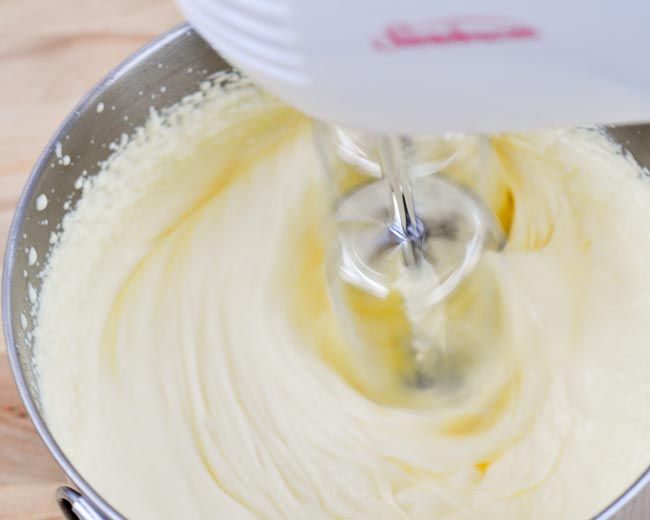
(392, 71)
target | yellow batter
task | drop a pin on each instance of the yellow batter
(191, 366)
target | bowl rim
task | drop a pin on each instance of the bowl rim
(88, 101)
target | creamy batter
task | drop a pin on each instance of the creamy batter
(191, 364)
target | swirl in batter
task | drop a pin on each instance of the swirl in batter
(191, 364)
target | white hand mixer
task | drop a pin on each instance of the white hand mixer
(433, 66)
(397, 69)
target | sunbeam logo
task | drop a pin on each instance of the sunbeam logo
(453, 31)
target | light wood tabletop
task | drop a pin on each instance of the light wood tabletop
(51, 53)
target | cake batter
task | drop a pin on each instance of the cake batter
(191, 364)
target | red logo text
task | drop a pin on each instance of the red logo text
(451, 31)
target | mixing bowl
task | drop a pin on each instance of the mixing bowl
(160, 74)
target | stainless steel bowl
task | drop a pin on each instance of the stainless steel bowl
(179, 60)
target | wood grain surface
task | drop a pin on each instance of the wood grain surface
(51, 53)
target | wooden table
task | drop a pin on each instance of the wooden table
(51, 53)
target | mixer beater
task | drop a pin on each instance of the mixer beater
(407, 234)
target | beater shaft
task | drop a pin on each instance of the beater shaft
(394, 162)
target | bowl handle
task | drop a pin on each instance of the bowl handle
(75, 506)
